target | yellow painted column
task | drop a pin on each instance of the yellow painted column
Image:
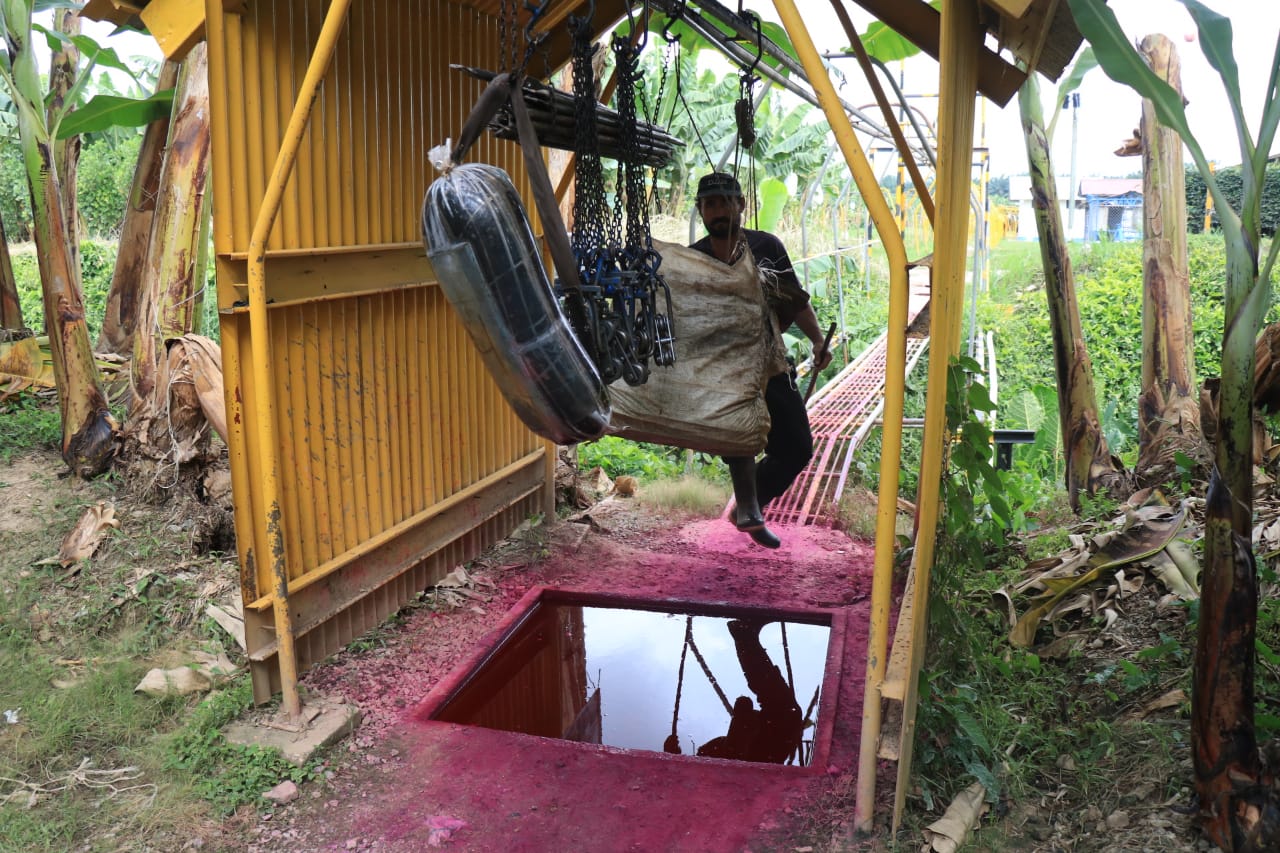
(961, 38)
(895, 381)
(260, 345)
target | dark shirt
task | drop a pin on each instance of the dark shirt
(787, 298)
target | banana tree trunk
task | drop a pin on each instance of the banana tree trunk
(10, 305)
(66, 152)
(88, 430)
(1168, 404)
(123, 299)
(1089, 463)
(169, 279)
(1238, 803)
(1236, 811)
(167, 421)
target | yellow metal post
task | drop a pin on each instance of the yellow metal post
(260, 343)
(961, 39)
(1208, 201)
(895, 381)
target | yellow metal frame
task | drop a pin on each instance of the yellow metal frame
(960, 52)
(317, 260)
(176, 25)
(370, 450)
(895, 392)
(260, 340)
(961, 40)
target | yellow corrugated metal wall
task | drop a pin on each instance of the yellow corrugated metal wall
(398, 457)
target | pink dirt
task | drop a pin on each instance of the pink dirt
(505, 791)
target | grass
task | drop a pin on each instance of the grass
(76, 714)
(224, 774)
(27, 421)
(856, 515)
(110, 769)
(689, 494)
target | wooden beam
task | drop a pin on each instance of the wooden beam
(1010, 8)
(118, 12)
(920, 23)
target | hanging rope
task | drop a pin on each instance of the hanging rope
(684, 653)
(724, 700)
(689, 110)
(786, 656)
(744, 114)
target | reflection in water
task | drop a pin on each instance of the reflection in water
(647, 680)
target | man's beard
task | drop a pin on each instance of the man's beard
(720, 228)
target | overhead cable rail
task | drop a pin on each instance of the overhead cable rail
(704, 23)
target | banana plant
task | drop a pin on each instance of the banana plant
(88, 429)
(1238, 810)
(1090, 466)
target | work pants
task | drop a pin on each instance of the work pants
(789, 446)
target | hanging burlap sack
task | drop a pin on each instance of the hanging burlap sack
(712, 399)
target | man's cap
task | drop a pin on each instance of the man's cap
(718, 183)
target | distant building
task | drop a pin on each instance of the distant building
(1020, 194)
(1106, 208)
(1113, 208)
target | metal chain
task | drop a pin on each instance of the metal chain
(630, 169)
(506, 35)
(624, 330)
(589, 210)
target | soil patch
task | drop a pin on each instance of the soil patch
(403, 781)
(399, 784)
(26, 495)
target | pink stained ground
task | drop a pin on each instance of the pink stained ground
(399, 780)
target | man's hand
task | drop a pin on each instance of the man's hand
(821, 356)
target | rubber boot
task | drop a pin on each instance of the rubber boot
(747, 516)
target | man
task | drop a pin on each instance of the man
(790, 443)
(770, 733)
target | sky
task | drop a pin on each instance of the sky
(1109, 112)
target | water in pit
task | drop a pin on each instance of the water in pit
(744, 689)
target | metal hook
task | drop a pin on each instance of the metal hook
(536, 11)
(643, 41)
(672, 18)
(638, 43)
(755, 22)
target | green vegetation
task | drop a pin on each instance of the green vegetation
(103, 183)
(80, 758)
(26, 422)
(97, 263)
(86, 762)
(692, 494)
(1108, 282)
(1232, 185)
(1009, 717)
(228, 775)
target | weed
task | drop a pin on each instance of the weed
(228, 775)
(26, 421)
(1098, 507)
(971, 531)
(1047, 544)
(857, 511)
(688, 493)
